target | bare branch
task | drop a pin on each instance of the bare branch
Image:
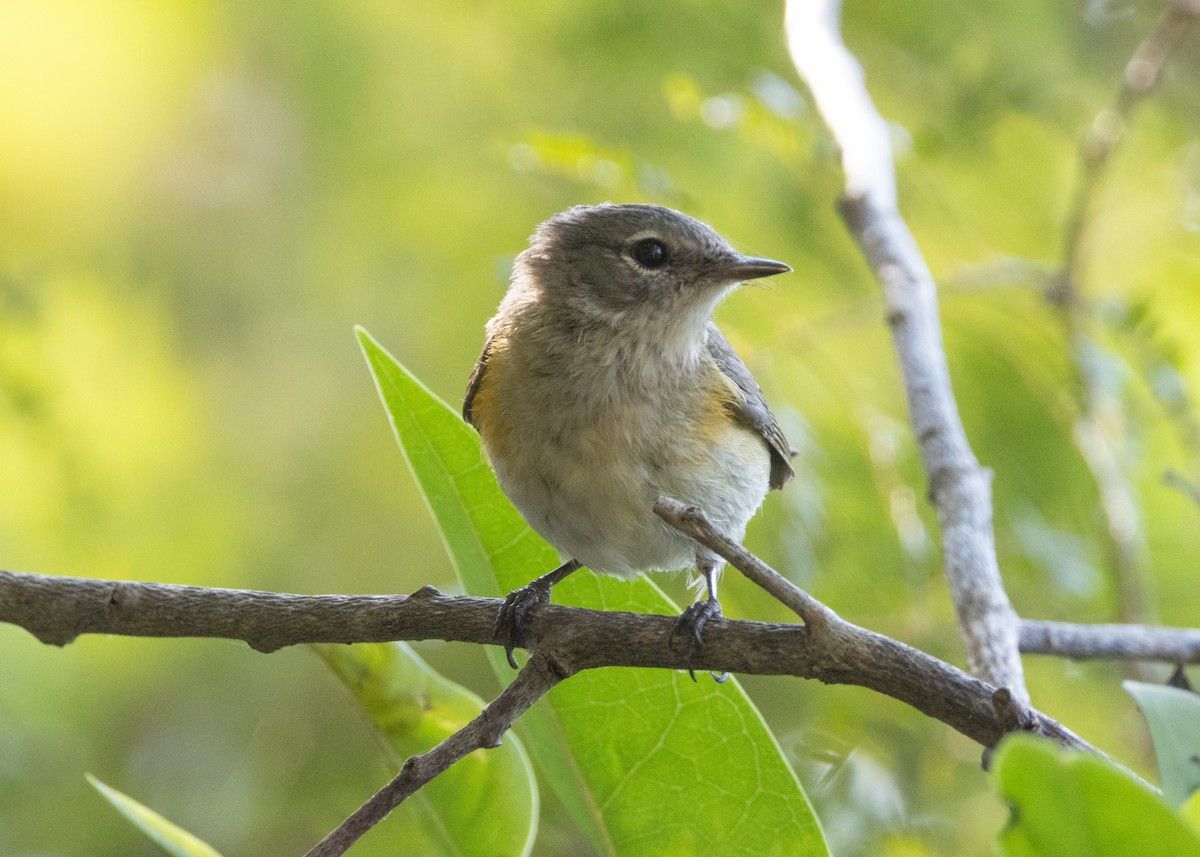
(56, 610)
(484, 732)
(691, 522)
(831, 650)
(1111, 642)
(849, 654)
(959, 487)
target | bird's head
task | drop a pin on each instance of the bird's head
(634, 266)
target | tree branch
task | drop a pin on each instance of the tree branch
(1111, 642)
(534, 681)
(859, 651)
(58, 609)
(959, 488)
(691, 521)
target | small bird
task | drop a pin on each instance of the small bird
(603, 384)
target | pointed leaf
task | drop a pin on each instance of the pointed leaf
(487, 804)
(1173, 715)
(646, 761)
(172, 839)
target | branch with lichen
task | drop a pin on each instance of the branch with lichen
(959, 488)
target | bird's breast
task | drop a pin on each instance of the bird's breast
(583, 452)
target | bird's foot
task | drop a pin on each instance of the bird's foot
(691, 624)
(513, 616)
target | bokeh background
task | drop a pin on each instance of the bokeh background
(199, 199)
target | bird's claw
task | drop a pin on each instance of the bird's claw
(691, 622)
(514, 615)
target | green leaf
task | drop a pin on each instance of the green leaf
(1190, 812)
(174, 840)
(1070, 804)
(646, 761)
(486, 804)
(1173, 715)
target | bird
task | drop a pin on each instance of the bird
(604, 384)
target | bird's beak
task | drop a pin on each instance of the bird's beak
(752, 268)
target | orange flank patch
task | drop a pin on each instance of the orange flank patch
(718, 412)
(495, 431)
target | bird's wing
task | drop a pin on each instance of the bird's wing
(475, 380)
(750, 408)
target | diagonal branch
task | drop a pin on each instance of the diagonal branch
(856, 651)
(959, 488)
(691, 522)
(539, 675)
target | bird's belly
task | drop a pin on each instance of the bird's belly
(588, 485)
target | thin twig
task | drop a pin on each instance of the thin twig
(959, 487)
(691, 521)
(1111, 642)
(845, 646)
(484, 732)
(851, 654)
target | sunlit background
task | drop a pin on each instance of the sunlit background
(198, 200)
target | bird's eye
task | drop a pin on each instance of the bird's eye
(650, 253)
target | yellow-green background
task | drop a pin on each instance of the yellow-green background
(198, 201)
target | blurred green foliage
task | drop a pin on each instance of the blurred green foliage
(199, 199)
